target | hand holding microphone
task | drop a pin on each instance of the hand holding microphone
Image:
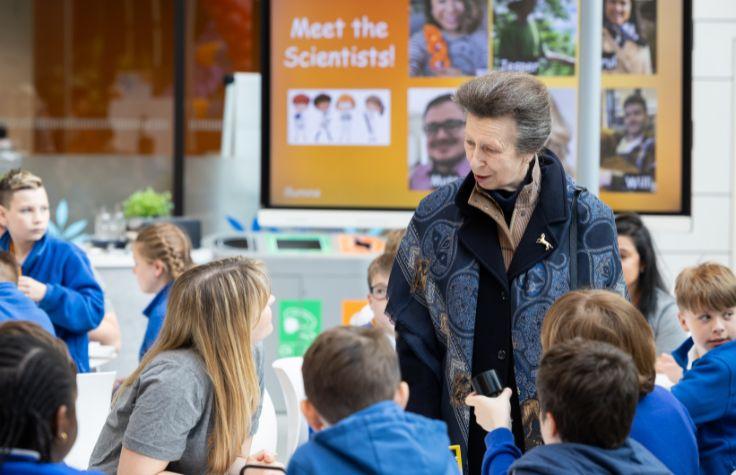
(492, 404)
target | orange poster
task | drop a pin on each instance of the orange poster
(361, 110)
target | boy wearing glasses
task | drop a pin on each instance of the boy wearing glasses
(443, 124)
(378, 272)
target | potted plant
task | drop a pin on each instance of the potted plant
(143, 206)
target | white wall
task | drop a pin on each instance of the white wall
(708, 235)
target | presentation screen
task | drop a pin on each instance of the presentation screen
(358, 96)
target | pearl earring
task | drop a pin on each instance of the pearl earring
(63, 436)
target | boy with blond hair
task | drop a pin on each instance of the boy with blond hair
(704, 367)
(355, 402)
(54, 273)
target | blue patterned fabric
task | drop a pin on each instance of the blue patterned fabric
(433, 290)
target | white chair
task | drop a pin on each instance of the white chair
(289, 373)
(94, 393)
(267, 435)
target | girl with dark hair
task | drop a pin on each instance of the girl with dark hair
(644, 282)
(38, 389)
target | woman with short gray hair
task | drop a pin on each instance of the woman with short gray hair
(485, 257)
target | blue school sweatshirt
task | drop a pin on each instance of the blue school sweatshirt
(708, 391)
(73, 300)
(680, 354)
(30, 465)
(14, 305)
(664, 427)
(503, 457)
(155, 312)
(381, 438)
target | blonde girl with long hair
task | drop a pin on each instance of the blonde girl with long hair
(192, 405)
(161, 253)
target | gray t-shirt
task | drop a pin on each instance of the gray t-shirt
(166, 415)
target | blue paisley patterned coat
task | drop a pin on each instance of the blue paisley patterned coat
(436, 282)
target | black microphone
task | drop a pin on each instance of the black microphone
(487, 384)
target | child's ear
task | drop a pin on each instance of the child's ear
(683, 321)
(548, 424)
(3, 216)
(159, 267)
(314, 419)
(401, 397)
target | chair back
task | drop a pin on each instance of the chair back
(267, 435)
(289, 373)
(94, 395)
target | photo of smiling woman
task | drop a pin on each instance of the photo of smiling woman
(448, 38)
(629, 36)
(436, 134)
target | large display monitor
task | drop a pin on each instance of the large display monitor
(357, 96)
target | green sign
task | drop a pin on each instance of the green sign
(300, 321)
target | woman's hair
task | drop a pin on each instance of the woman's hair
(169, 244)
(35, 380)
(471, 19)
(518, 95)
(601, 315)
(212, 310)
(630, 225)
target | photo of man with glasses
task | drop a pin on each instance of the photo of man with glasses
(443, 128)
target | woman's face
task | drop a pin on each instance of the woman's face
(448, 13)
(630, 262)
(264, 325)
(490, 146)
(618, 12)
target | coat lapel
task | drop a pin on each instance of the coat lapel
(480, 238)
(479, 234)
(549, 218)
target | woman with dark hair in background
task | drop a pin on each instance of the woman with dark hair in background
(644, 282)
(38, 390)
(452, 42)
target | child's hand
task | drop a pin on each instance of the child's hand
(264, 462)
(33, 289)
(667, 365)
(492, 412)
(264, 458)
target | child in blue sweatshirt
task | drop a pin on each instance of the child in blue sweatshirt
(161, 253)
(55, 274)
(355, 402)
(704, 366)
(588, 392)
(14, 305)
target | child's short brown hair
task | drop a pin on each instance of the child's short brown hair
(708, 286)
(16, 180)
(8, 267)
(602, 315)
(393, 240)
(380, 265)
(591, 389)
(348, 369)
